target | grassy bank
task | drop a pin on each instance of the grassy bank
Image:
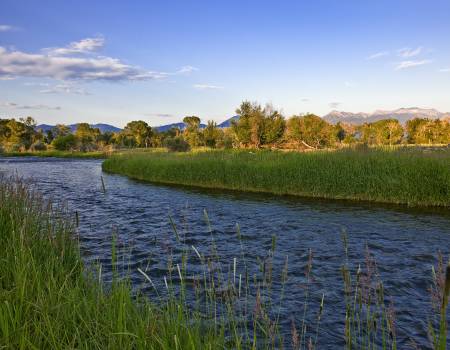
(48, 300)
(57, 154)
(409, 176)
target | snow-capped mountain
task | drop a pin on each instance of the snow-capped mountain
(401, 114)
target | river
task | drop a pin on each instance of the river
(403, 241)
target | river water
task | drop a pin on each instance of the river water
(403, 241)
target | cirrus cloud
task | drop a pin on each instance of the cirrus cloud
(14, 105)
(407, 52)
(377, 55)
(411, 64)
(207, 87)
(7, 28)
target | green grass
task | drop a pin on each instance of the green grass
(57, 154)
(404, 176)
(48, 300)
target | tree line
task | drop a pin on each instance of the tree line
(257, 127)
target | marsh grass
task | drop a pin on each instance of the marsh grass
(390, 175)
(49, 300)
(58, 154)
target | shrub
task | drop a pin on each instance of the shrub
(176, 144)
(38, 146)
(64, 143)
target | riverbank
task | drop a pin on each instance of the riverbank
(58, 154)
(50, 300)
(401, 176)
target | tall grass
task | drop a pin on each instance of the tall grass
(49, 300)
(384, 175)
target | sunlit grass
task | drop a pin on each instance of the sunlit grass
(407, 176)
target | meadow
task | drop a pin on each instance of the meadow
(411, 176)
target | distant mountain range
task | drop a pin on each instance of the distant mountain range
(161, 128)
(73, 127)
(181, 126)
(401, 114)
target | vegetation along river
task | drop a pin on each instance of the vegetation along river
(403, 241)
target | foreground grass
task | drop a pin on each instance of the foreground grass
(49, 301)
(410, 176)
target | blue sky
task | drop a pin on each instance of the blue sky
(116, 61)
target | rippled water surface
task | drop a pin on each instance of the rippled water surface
(404, 241)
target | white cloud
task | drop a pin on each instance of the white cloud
(83, 46)
(410, 64)
(7, 28)
(407, 52)
(161, 115)
(207, 87)
(378, 55)
(15, 64)
(334, 104)
(14, 105)
(305, 99)
(65, 88)
(445, 70)
(186, 70)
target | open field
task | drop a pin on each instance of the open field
(412, 176)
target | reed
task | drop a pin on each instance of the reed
(390, 175)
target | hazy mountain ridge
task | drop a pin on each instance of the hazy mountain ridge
(102, 127)
(162, 128)
(401, 114)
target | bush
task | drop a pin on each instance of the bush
(176, 144)
(38, 146)
(64, 143)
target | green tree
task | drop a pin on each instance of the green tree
(65, 143)
(311, 131)
(192, 131)
(60, 130)
(141, 132)
(382, 132)
(257, 126)
(426, 131)
(212, 135)
(86, 137)
(21, 133)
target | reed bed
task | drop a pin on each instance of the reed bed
(50, 300)
(390, 175)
